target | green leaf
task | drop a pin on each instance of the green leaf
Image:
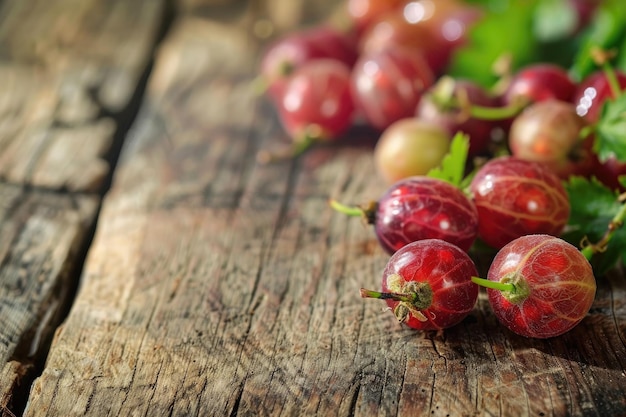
(554, 20)
(611, 130)
(593, 206)
(506, 29)
(590, 199)
(607, 30)
(452, 168)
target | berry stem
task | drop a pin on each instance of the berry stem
(612, 79)
(589, 249)
(503, 69)
(296, 149)
(347, 210)
(603, 58)
(368, 212)
(587, 131)
(446, 98)
(259, 85)
(407, 298)
(494, 285)
(496, 113)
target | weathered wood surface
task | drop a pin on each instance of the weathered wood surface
(42, 237)
(217, 286)
(68, 69)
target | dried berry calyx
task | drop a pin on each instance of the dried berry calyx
(427, 285)
(412, 297)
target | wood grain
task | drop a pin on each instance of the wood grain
(104, 45)
(42, 235)
(68, 71)
(36, 147)
(218, 286)
(265, 18)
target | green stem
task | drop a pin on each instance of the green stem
(495, 113)
(602, 58)
(495, 285)
(447, 98)
(368, 212)
(296, 149)
(407, 298)
(482, 112)
(303, 144)
(616, 222)
(612, 79)
(347, 210)
(588, 252)
(259, 85)
(587, 131)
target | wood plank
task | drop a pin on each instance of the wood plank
(35, 146)
(265, 18)
(42, 235)
(68, 71)
(104, 45)
(291, 13)
(218, 286)
(45, 142)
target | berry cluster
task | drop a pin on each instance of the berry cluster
(539, 284)
(465, 163)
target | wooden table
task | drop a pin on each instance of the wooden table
(184, 278)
